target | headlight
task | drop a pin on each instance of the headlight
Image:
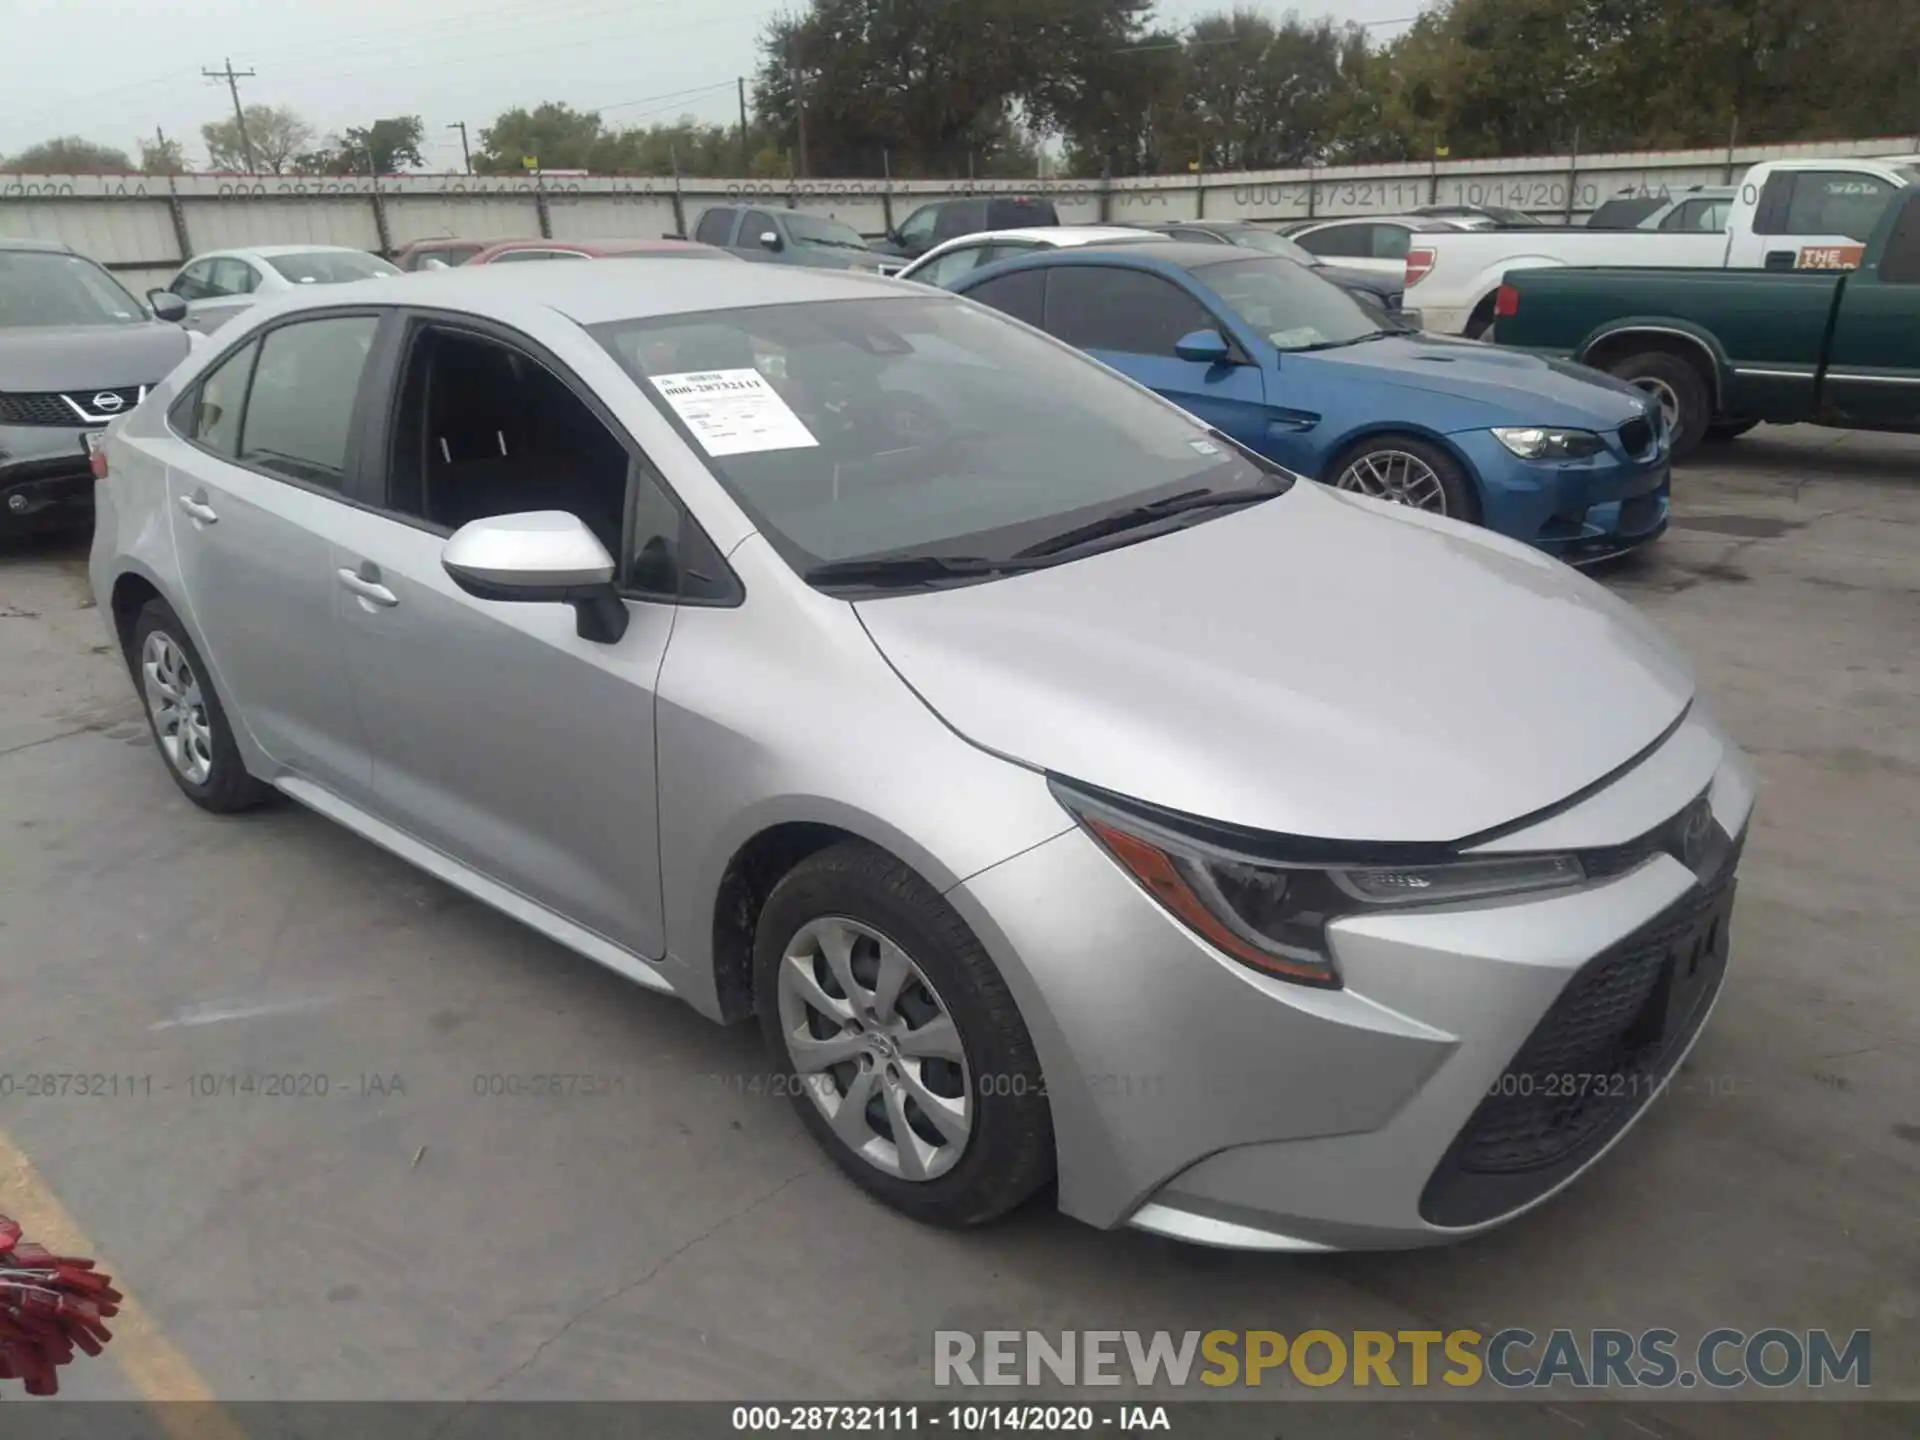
(1273, 914)
(1531, 442)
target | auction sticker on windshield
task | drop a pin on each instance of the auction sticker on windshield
(733, 412)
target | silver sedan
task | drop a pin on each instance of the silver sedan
(219, 284)
(1064, 792)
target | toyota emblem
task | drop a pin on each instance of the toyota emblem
(1694, 826)
(107, 403)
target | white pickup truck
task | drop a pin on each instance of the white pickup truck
(1787, 215)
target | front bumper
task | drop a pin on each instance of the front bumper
(46, 482)
(1197, 1098)
(1583, 511)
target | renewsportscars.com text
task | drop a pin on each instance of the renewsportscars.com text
(1513, 1358)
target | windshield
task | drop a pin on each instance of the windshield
(1294, 309)
(817, 230)
(906, 425)
(44, 287)
(330, 267)
(1253, 238)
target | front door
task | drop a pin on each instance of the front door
(254, 497)
(500, 737)
(1132, 320)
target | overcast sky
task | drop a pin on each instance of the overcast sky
(113, 71)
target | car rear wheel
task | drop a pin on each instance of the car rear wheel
(1408, 472)
(1685, 398)
(185, 716)
(900, 1045)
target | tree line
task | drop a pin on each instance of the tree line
(946, 88)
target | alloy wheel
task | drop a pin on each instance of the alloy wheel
(876, 1048)
(178, 707)
(1664, 393)
(1396, 475)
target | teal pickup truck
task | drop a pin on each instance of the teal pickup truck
(1727, 349)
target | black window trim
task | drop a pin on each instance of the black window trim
(381, 388)
(350, 491)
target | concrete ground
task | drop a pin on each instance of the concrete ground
(409, 1235)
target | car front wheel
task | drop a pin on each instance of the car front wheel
(1407, 471)
(899, 1042)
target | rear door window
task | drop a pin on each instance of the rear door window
(299, 415)
(1339, 240)
(1836, 202)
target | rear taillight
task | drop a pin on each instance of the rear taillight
(1506, 302)
(1419, 263)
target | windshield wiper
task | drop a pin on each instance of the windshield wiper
(911, 569)
(1342, 344)
(1135, 516)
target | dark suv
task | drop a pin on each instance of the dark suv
(939, 221)
(76, 350)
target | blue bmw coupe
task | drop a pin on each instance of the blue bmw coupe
(1560, 456)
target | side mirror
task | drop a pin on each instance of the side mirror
(1204, 347)
(167, 305)
(771, 239)
(541, 557)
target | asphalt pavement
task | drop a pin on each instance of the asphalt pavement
(392, 1220)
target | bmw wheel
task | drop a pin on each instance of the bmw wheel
(189, 726)
(904, 1053)
(1408, 472)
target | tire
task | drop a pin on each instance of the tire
(204, 735)
(1457, 495)
(1006, 1153)
(1721, 434)
(1679, 386)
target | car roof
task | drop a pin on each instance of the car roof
(1412, 222)
(593, 294)
(1157, 255)
(617, 245)
(51, 247)
(267, 252)
(427, 242)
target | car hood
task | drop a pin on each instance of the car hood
(88, 357)
(1511, 388)
(1321, 665)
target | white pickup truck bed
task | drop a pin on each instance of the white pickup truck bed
(1787, 214)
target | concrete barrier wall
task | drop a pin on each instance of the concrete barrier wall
(146, 226)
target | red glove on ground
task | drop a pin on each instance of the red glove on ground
(49, 1304)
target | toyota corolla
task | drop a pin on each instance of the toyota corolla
(1059, 786)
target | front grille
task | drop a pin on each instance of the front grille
(1602, 1051)
(53, 407)
(1636, 436)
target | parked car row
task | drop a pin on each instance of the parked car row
(863, 662)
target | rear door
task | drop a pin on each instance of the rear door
(1873, 364)
(1132, 319)
(259, 490)
(1811, 220)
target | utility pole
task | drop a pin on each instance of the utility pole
(233, 78)
(465, 154)
(745, 164)
(799, 102)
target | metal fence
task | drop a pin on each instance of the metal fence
(146, 226)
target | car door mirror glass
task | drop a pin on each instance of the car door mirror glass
(167, 305)
(1204, 347)
(539, 557)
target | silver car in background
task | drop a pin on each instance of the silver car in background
(1063, 791)
(218, 284)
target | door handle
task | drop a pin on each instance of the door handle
(367, 589)
(1781, 259)
(198, 509)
